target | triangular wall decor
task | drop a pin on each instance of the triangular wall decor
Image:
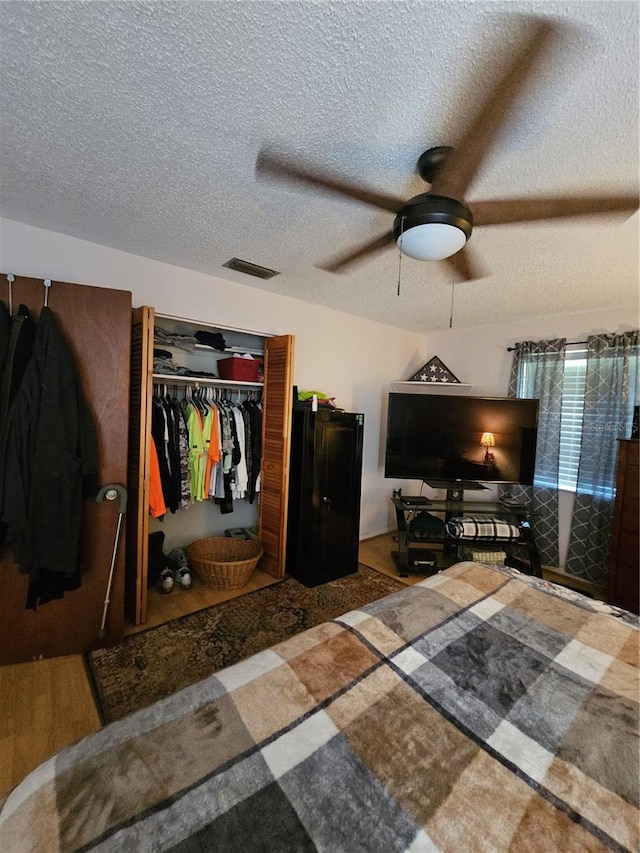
(434, 371)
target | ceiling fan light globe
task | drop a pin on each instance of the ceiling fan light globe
(431, 241)
(432, 227)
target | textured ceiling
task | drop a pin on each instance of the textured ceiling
(137, 125)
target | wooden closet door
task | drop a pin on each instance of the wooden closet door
(96, 323)
(277, 406)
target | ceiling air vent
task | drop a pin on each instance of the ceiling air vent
(250, 269)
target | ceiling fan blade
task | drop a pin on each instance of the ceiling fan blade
(504, 211)
(340, 263)
(462, 163)
(465, 266)
(270, 164)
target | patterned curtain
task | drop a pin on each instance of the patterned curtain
(610, 394)
(538, 371)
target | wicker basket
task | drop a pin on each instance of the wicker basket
(224, 562)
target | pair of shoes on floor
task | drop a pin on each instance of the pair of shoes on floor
(170, 578)
(167, 570)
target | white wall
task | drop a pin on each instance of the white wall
(342, 355)
(479, 356)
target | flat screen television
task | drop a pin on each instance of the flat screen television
(437, 438)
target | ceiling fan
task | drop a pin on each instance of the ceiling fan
(437, 224)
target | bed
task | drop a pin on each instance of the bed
(477, 710)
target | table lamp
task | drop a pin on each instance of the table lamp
(487, 441)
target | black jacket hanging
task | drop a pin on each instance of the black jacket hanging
(5, 331)
(48, 462)
(18, 353)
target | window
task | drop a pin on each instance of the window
(575, 374)
(572, 414)
(573, 386)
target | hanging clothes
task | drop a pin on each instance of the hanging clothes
(197, 462)
(208, 448)
(173, 452)
(17, 355)
(160, 435)
(254, 410)
(184, 499)
(208, 423)
(48, 463)
(215, 460)
(157, 506)
(225, 482)
(241, 479)
(216, 479)
(5, 331)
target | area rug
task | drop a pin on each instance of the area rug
(155, 663)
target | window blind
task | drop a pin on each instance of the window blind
(572, 410)
(573, 387)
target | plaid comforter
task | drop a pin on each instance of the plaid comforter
(482, 527)
(473, 711)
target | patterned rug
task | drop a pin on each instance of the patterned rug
(155, 663)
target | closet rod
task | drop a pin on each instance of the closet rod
(569, 344)
(176, 379)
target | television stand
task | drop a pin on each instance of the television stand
(456, 488)
(431, 553)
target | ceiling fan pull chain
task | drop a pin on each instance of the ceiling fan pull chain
(453, 290)
(400, 256)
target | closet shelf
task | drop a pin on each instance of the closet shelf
(211, 350)
(177, 379)
(259, 352)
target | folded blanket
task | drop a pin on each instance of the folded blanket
(482, 527)
(163, 337)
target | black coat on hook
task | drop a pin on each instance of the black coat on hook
(48, 463)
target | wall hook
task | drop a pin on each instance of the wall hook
(47, 285)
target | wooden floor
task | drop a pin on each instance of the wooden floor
(44, 705)
(48, 704)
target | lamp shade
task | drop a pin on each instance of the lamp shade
(487, 440)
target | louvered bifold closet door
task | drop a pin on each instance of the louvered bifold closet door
(139, 449)
(276, 443)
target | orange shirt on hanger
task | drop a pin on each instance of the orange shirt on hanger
(157, 506)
